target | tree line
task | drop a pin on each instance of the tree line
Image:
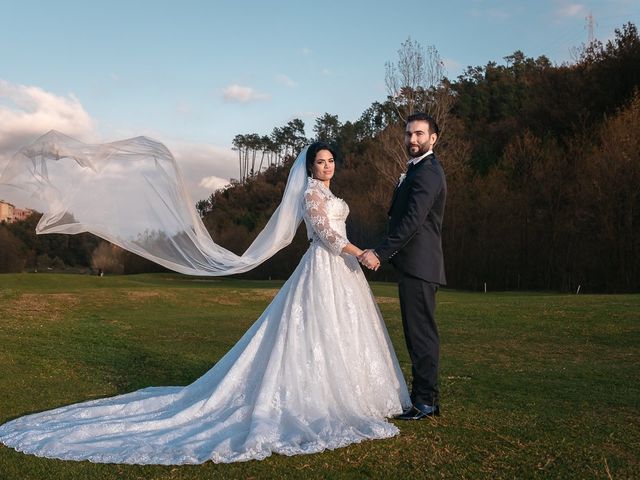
(542, 164)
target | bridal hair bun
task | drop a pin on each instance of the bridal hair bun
(314, 148)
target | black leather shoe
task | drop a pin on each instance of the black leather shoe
(419, 411)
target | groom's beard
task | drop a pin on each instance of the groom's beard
(422, 148)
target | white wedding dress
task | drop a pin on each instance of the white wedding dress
(316, 371)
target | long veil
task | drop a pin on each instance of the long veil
(131, 193)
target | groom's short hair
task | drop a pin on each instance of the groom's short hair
(424, 117)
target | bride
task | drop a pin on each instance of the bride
(316, 371)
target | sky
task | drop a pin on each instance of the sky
(193, 74)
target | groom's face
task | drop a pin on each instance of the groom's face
(418, 139)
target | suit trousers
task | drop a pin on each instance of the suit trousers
(418, 307)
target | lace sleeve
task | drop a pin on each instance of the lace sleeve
(315, 210)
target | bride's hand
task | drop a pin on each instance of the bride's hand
(369, 260)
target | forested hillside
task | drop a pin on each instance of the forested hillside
(542, 164)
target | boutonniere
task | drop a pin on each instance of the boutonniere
(401, 179)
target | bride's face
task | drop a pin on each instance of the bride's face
(323, 166)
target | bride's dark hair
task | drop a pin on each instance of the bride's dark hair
(312, 151)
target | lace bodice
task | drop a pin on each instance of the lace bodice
(325, 216)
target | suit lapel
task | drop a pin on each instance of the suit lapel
(393, 199)
(430, 159)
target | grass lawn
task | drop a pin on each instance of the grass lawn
(533, 385)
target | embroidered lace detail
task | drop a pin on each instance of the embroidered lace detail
(324, 215)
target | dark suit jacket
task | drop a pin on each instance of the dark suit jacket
(414, 242)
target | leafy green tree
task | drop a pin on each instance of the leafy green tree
(327, 128)
(11, 252)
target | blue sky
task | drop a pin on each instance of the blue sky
(195, 73)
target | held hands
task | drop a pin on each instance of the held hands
(369, 259)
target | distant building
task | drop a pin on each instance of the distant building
(21, 214)
(6, 211)
(9, 213)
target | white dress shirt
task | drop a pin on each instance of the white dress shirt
(416, 160)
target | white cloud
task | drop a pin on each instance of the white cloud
(204, 167)
(572, 10)
(213, 183)
(305, 51)
(242, 94)
(326, 72)
(286, 81)
(27, 112)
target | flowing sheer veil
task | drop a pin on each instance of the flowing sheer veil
(131, 193)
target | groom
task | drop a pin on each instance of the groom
(414, 246)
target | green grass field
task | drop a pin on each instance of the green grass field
(533, 385)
